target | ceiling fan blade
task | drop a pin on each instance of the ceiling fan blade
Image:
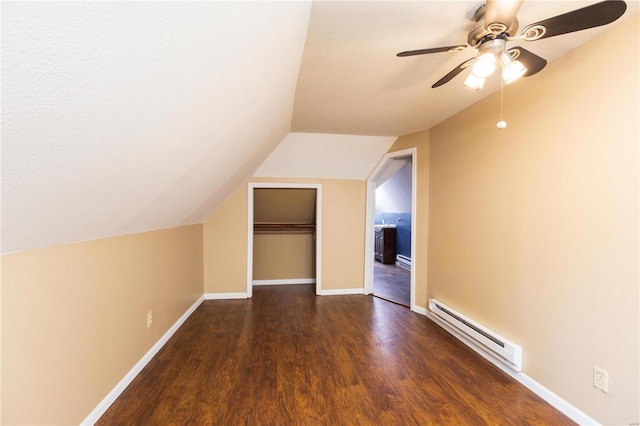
(501, 12)
(598, 14)
(531, 61)
(457, 70)
(433, 50)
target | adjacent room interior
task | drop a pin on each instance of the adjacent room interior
(392, 246)
(151, 153)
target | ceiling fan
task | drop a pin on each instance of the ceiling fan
(496, 24)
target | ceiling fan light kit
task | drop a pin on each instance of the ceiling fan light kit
(497, 23)
(484, 65)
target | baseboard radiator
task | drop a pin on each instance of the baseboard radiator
(504, 350)
(403, 261)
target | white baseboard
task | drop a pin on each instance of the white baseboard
(419, 310)
(554, 400)
(340, 292)
(219, 296)
(104, 405)
(565, 407)
(285, 282)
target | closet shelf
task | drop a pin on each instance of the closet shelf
(284, 228)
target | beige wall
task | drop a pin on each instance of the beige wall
(282, 255)
(343, 214)
(343, 219)
(419, 141)
(533, 230)
(74, 317)
(225, 246)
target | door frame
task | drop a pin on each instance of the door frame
(372, 184)
(318, 231)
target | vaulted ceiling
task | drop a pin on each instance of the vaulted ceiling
(124, 117)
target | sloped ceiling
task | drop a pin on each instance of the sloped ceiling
(394, 195)
(322, 156)
(124, 117)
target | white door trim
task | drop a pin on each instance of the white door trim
(372, 181)
(254, 185)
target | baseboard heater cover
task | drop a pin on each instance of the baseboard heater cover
(506, 351)
(403, 261)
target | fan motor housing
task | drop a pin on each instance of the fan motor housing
(480, 31)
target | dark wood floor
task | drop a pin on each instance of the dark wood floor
(392, 282)
(288, 357)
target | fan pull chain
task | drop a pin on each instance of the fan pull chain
(501, 124)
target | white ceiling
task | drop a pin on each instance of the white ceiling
(123, 117)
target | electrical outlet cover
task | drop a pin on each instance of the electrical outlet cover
(600, 378)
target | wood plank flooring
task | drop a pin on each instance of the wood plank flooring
(392, 283)
(288, 357)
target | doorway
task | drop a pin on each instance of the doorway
(284, 234)
(387, 274)
(392, 247)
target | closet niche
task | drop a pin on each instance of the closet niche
(284, 235)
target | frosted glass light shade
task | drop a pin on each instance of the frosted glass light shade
(474, 82)
(513, 71)
(484, 65)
